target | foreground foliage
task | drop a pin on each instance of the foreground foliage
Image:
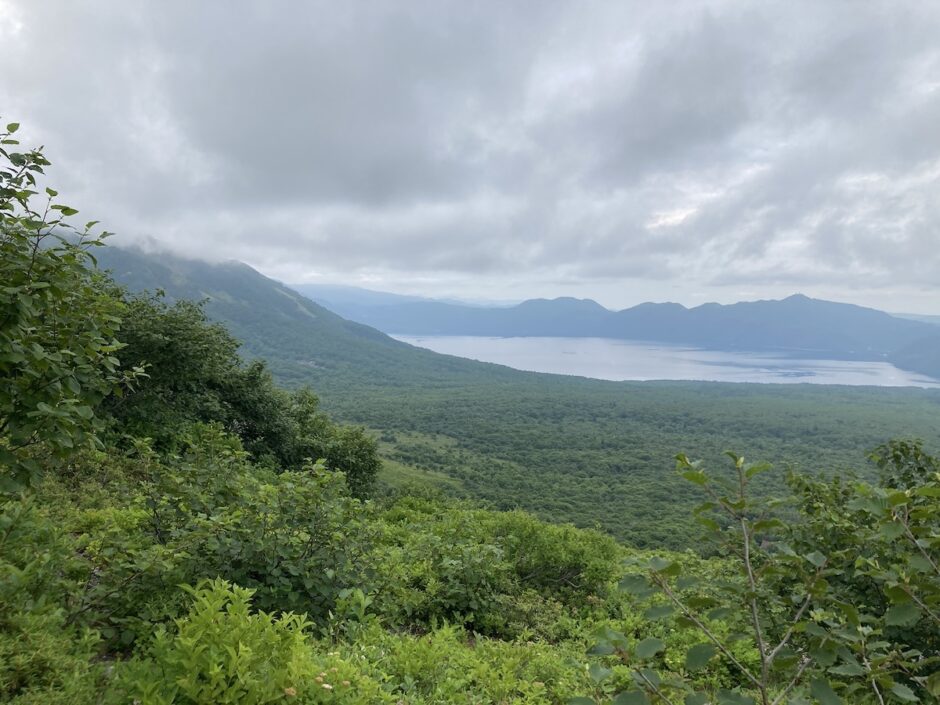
(841, 606)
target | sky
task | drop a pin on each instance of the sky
(621, 151)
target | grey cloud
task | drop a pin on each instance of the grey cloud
(692, 146)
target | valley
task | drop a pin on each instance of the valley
(592, 452)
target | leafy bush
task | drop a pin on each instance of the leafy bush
(820, 603)
(58, 321)
(435, 568)
(221, 652)
(556, 559)
(451, 665)
(295, 538)
(196, 376)
(43, 658)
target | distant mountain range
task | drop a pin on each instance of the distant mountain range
(305, 341)
(797, 325)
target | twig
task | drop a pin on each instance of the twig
(656, 690)
(796, 679)
(714, 639)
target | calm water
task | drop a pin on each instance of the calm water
(604, 358)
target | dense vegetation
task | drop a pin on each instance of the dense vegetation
(176, 529)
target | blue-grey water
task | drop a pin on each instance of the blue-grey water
(604, 358)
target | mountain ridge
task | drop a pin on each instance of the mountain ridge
(797, 325)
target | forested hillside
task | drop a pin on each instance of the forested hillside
(569, 449)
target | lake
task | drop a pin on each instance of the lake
(605, 358)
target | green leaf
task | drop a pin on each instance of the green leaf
(904, 693)
(649, 647)
(601, 649)
(718, 613)
(696, 476)
(599, 673)
(823, 692)
(756, 469)
(849, 668)
(902, 615)
(816, 558)
(933, 684)
(767, 524)
(665, 567)
(698, 656)
(659, 564)
(13, 126)
(631, 697)
(732, 697)
(636, 585)
(891, 530)
(658, 612)
(581, 701)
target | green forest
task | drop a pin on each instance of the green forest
(184, 520)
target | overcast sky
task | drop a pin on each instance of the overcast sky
(614, 150)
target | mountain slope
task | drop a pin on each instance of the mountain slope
(302, 341)
(797, 325)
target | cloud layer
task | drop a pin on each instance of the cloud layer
(626, 151)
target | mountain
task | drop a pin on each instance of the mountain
(924, 318)
(302, 341)
(536, 317)
(922, 356)
(353, 302)
(797, 325)
(338, 296)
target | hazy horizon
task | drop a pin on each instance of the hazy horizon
(484, 302)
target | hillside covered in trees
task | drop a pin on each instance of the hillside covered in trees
(590, 452)
(177, 528)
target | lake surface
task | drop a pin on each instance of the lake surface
(605, 358)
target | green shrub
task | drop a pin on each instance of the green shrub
(559, 560)
(434, 566)
(297, 539)
(43, 657)
(222, 653)
(451, 665)
(195, 375)
(58, 321)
